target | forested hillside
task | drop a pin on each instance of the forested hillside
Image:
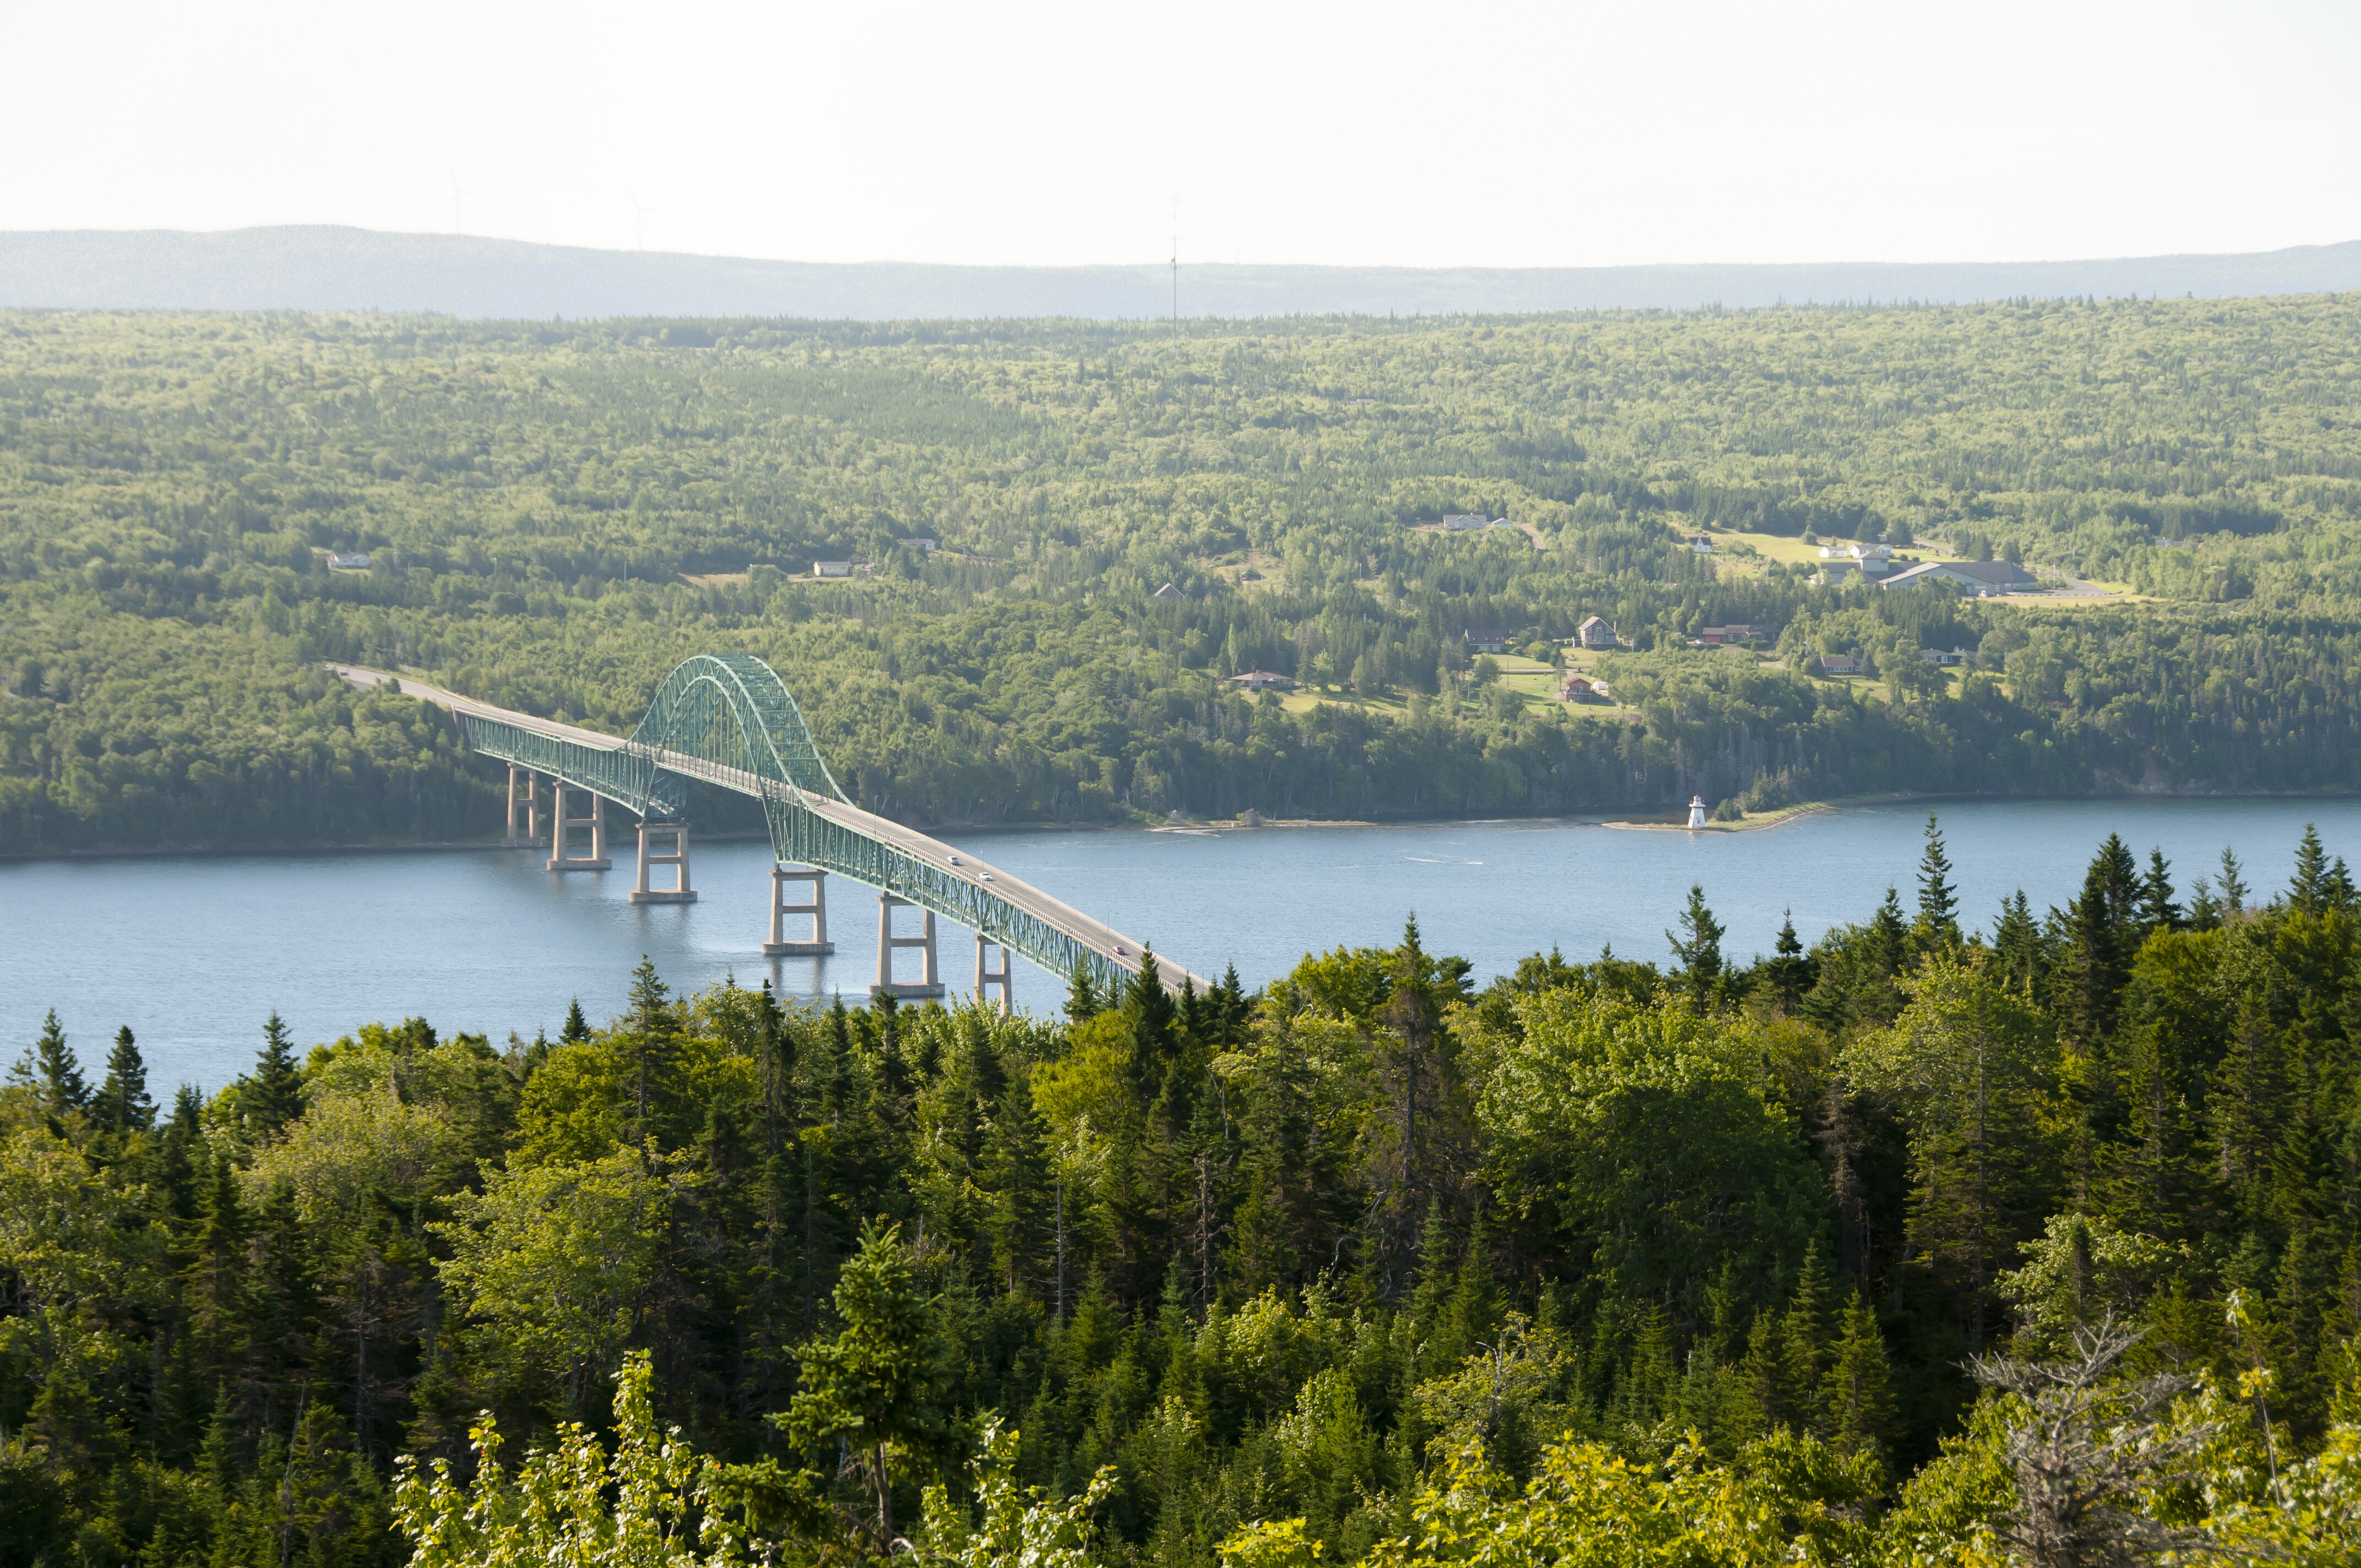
(554, 515)
(2041, 1244)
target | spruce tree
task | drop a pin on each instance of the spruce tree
(1939, 900)
(1790, 971)
(273, 1095)
(2101, 935)
(2321, 884)
(2234, 884)
(2016, 945)
(1014, 1175)
(56, 1074)
(576, 1028)
(1699, 955)
(1752, 1401)
(1147, 1006)
(2158, 911)
(1858, 1395)
(647, 1047)
(1804, 1333)
(122, 1105)
(216, 1297)
(2204, 909)
(1082, 995)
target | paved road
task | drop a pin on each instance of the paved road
(1095, 935)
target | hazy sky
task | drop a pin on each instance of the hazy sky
(1431, 134)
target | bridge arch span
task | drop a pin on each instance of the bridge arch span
(732, 711)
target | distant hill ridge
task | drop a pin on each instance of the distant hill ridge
(326, 268)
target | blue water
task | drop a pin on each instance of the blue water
(194, 953)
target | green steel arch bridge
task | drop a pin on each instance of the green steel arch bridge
(726, 719)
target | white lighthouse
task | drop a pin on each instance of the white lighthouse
(1696, 811)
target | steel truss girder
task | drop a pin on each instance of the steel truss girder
(797, 834)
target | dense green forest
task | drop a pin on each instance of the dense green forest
(2036, 1243)
(555, 513)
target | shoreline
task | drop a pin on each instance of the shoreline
(1778, 818)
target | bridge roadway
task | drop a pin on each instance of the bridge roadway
(1096, 934)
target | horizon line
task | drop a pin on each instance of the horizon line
(1161, 264)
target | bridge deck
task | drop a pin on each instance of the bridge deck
(1096, 935)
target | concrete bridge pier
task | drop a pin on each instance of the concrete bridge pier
(992, 977)
(561, 831)
(679, 892)
(778, 947)
(930, 985)
(525, 802)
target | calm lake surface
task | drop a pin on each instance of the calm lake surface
(194, 953)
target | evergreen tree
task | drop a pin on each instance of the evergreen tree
(1939, 904)
(2017, 946)
(56, 1075)
(121, 1105)
(1082, 995)
(1858, 1395)
(217, 1298)
(871, 1389)
(1423, 1114)
(1804, 1335)
(576, 1028)
(1699, 954)
(2319, 884)
(2101, 938)
(273, 1095)
(1147, 1008)
(1014, 1173)
(1753, 1398)
(1790, 973)
(2234, 884)
(1966, 1062)
(2158, 911)
(2204, 909)
(647, 1048)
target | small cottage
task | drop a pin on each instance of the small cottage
(1484, 641)
(1261, 681)
(1597, 632)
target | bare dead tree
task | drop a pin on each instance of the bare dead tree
(2086, 1445)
